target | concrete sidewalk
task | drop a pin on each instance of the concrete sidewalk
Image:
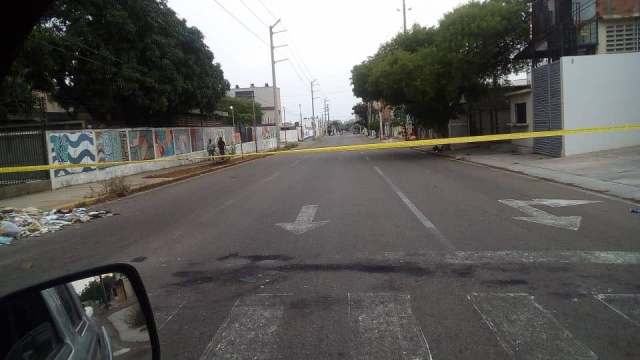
(613, 172)
(87, 194)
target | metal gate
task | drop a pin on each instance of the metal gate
(23, 147)
(547, 108)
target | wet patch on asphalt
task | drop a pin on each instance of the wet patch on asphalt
(505, 282)
(255, 258)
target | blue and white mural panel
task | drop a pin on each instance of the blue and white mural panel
(74, 147)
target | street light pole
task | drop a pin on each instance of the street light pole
(233, 120)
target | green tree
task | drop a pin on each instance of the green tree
(362, 112)
(122, 61)
(95, 291)
(427, 70)
(243, 110)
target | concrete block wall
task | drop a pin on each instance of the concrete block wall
(159, 147)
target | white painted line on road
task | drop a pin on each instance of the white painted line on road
(625, 305)
(526, 330)
(421, 217)
(295, 163)
(250, 331)
(172, 315)
(383, 327)
(304, 221)
(545, 218)
(275, 175)
(519, 257)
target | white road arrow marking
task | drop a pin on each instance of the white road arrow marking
(542, 217)
(304, 222)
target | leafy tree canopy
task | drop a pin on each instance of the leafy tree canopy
(427, 70)
(119, 60)
(362, 112)
(243, 110)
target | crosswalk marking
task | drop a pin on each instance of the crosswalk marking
(625, 305)
(526, 330)
(384, 327)
(250, 331)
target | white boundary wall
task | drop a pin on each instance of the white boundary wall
(597, 91)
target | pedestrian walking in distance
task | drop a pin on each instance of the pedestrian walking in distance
(211, 149)
(221, 146)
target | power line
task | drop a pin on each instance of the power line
(253, 13)
(266, 8)
(70, 42)
(305, 67)
(299, 60)
(297, 73)
(294, 54)
(241, 23)
(75, 54)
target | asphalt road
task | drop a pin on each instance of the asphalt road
(406, 255)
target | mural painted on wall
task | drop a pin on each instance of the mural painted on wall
(182, 141)
(111, 145)
(77, 147)
(268, 132)
(226, 133)
(163, 139)
(197, 139)
(141, 145)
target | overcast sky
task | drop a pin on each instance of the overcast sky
(325, 37)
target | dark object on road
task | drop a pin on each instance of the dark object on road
(221, 146)
(635, 211)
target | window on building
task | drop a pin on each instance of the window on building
(521, 113)
(623, 37)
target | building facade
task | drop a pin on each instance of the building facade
(264, 97)
(581, 27)
(564, 82)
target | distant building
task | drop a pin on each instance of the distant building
(264, 97)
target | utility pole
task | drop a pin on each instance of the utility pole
(380, 116)
(325, 116)
(369, 118)
(301, 122)
(233, 119)
(255, 121)
(313, 108)
(273, 76)
(404, 15)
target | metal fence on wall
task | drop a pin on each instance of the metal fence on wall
(23, 147)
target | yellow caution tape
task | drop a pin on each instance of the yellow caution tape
(362, 147)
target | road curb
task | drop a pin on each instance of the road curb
(465, 160)
(102, 199)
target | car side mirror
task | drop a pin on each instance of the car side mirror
(101, 313)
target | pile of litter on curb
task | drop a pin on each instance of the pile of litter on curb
(20, 223)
